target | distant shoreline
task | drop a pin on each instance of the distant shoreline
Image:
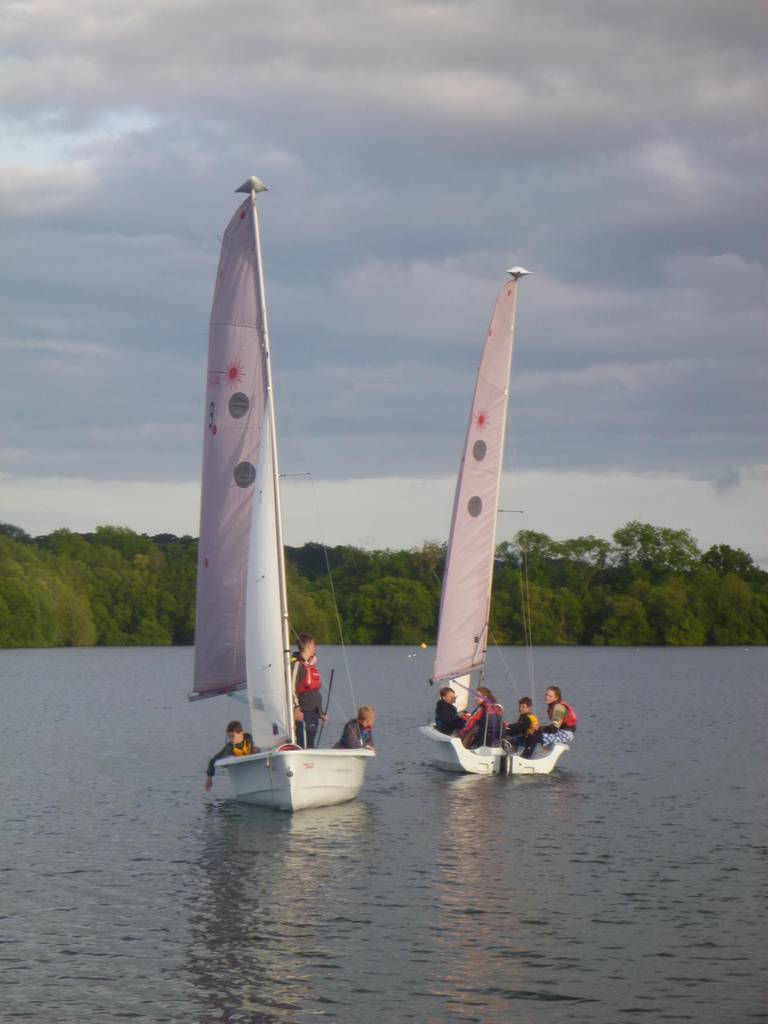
(647, 587)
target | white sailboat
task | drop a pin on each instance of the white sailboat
(241, 632)
(465, 603)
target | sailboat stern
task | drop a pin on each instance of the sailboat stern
(450, 755)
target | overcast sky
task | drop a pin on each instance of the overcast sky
(412, 153)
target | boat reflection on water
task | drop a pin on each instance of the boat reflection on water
(261, 884)
(489, 928)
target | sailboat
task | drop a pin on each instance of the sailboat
(242, 627)
(465, 603)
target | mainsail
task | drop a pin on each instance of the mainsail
(465, 603)
(240, 589)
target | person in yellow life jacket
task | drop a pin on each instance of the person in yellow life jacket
(308, 702)
(522, 733)
(239, 744)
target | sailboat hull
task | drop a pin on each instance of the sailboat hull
(292, 780)
(449, 754)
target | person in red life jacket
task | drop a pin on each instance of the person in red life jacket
(562, 720)
(485, 725)
(358, 732)
(447, 719)
(308, 707)
(239, 744)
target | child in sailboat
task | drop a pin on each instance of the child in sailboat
(562, 719)
(308, 710)
(447, 719)
(522, 733)
(239, 744)
(358, 732)
(484, 726)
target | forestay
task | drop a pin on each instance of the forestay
(466, 594)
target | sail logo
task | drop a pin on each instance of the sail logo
(233, 374)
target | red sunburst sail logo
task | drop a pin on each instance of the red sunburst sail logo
(234, 372)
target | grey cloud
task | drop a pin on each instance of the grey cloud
(412, 153)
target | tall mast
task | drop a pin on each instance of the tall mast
(252, 186)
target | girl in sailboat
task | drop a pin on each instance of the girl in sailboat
(485, 725)
(562, 720)
(306, 686)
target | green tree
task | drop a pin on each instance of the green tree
(393, 611)
(733, 612)
(657, 550)
(671, 616)
(626, 624)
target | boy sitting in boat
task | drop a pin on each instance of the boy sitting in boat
(447, 719)
(239, 744)
(484, 726)
(358, 732)
(522, 733)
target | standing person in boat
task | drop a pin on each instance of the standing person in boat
(447, 719)
(562, 720)
(358, 732)
(522, 733)
(308, 707)
(239, 744)
(485, 725)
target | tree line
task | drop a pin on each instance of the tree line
(647, 585)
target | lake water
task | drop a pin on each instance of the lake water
(631, 884)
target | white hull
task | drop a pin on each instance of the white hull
(291, 780)
(450, 754)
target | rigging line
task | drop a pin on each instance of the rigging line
(528, 623)
(333, 591)
(527, 619)
(507, 668)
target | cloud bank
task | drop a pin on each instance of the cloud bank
(412, 152)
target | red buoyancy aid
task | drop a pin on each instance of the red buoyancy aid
(570, 721)
(309, 679)
(495, 723)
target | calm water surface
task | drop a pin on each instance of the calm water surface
(630, 884)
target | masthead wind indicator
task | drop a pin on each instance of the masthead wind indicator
(517, 272)
(252, 184)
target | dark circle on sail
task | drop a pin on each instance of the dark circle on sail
(479, 448)
(238, 405)
(245, 474)
(475, 506)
